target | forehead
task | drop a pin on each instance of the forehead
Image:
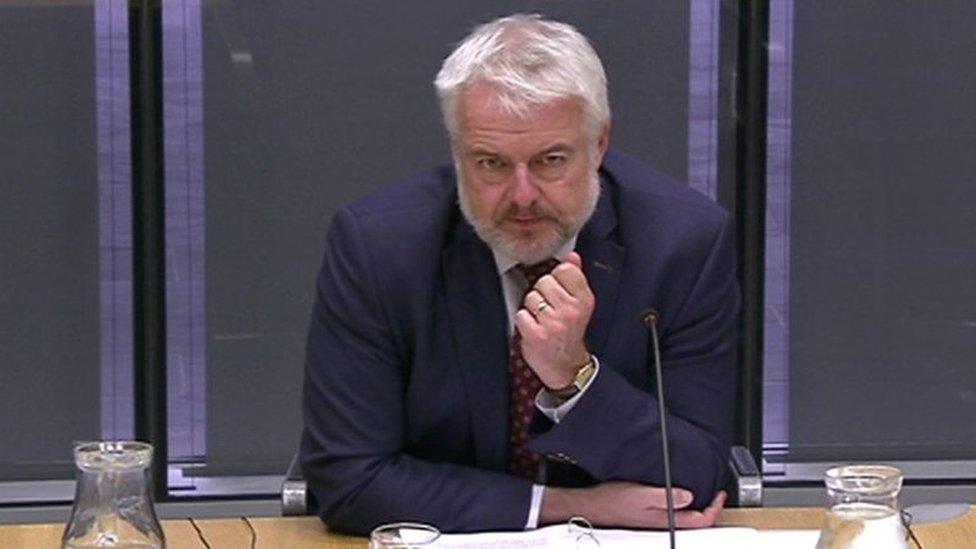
(481, 116)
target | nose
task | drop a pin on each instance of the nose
(524, 189)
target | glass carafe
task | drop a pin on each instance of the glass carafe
(404, 535)
(113, 502)
(864, 511)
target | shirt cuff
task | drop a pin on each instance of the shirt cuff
(535, 508)
(553, 408)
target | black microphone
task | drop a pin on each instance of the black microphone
(650, 317)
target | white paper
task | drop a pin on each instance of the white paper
(788, 539)
(563, 537)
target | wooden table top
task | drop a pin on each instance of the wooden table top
(309, 532)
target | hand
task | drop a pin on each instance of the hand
(553, 337)
(626, 504)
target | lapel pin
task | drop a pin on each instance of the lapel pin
(602, 266)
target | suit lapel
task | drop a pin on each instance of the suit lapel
(602, 263)
(479, 325)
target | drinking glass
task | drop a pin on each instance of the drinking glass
(113, 503)
(403, 535)
(864, 512)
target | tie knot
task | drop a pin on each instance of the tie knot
(533, 273)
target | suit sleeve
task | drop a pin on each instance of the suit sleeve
(613, 432)
(353, 405)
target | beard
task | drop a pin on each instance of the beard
(526, 246)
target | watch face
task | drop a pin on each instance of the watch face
(583, 375)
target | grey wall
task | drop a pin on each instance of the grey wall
(883, 205)
(339, 100)
(49, 316)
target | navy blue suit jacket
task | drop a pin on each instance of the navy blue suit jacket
(406, 387)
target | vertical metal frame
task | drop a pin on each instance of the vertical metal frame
(186, 224)
(776, 342)
(750, 207)
(703, 95)
(146, 69)
(742, 188)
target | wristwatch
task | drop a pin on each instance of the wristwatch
(583, 376)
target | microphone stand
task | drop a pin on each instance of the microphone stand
(650, 322)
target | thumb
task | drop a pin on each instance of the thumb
(658, 499)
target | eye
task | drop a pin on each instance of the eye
(553, 159)
(490, 163)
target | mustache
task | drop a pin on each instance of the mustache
(535, 210)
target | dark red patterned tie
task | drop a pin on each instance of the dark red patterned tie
(523, 386)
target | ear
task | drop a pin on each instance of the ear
(603, 142)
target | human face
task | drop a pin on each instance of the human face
(525, 183)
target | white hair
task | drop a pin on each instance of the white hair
(527, 61)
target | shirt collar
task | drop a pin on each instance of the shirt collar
(505, 263)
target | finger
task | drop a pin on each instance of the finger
(553, 291)
(574, 258)
(533, 303)
(704, 518)
(682, 497)
(527, 325)
(571, 278)
(715, 507)
(690, 519)
(653, 518)
(719, 499)
(657, 498)
(683, 519)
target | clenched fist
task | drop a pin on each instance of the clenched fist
(553, 321)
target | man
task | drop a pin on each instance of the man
(450, 380)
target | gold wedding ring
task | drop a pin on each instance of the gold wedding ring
(542, 306)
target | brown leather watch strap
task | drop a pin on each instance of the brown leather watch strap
(583, 375)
